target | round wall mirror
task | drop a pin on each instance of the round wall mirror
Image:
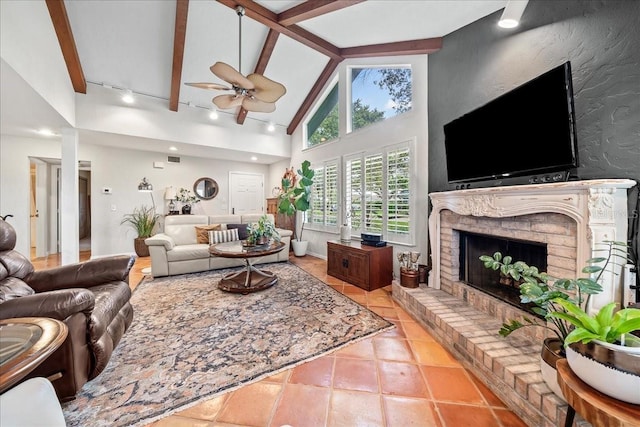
(205, 188)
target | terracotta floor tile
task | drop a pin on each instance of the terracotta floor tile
(207, 410)
(388, 313)
(355, 374)
(393, 349)
(432, 353)
(403, 315)
(361, 350)
(466, 415)
(403, 411)
(415, 331)
(508, 418)
(379, 298)
(451, 385)
(402, 379)
(490, 397)
(316, 372)
(360, 299)
(251, 405)
(352, 289)
(302, 406)
(397, 332)
(353, 408)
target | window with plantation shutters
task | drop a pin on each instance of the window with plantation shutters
(378, 195)
(398, 173)
(373, 193)
(324, 212)
(353, 193)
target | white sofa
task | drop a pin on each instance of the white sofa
(177, 251)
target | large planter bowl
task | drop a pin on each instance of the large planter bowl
(610, 369)
(552, 351)
(299, 247)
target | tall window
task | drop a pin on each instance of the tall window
(323, 125)
(325, 197)
(378, 94)
(378, 192)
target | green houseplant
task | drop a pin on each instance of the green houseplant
(296, 197)
(143, 220)
(262, 231)
(544, 293)
(601, 342)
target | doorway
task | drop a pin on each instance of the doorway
(45, 208)
(246, 193)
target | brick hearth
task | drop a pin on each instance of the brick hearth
(568, 218)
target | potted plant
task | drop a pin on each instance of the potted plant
(261, 232)
(296, 197)
(143, 220)
(543, 292)
(185, 197)
(602, 351)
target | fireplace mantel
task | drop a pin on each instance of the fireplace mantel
(599, 208)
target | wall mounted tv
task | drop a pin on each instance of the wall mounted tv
(529, 130)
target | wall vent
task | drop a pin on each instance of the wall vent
(173, 159)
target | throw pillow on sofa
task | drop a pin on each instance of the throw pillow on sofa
(242, 230)
(222, 236)
(202, 232)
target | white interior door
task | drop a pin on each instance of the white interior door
(246, 193)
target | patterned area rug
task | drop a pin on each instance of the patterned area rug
(190, 341)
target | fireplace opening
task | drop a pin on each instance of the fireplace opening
(474, 273)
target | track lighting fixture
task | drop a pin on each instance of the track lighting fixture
(512, 13)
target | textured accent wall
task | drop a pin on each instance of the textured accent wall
(601, 39)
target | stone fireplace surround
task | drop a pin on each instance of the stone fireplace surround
(570, 218)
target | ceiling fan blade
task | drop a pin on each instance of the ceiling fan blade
(266, 89)
(230, 75)
(251, 104)
(226, 102)
(214, 86)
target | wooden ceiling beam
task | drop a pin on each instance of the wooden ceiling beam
(409, 47)
(313, 94)
(270, 19)
(311, 9)
(179, 35)
(261, 66)
(61, 24)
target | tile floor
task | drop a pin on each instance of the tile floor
(402, 377)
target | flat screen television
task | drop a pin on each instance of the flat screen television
(529, 130)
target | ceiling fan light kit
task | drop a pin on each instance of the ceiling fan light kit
(254, 92)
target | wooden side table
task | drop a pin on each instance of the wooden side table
(599, 409)
(25, 343)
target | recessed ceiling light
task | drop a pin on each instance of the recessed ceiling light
(254, 158)
(128, 96)
(213, 115)
(271, 127)
(172, 148)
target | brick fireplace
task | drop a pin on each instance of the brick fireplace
(569, 218)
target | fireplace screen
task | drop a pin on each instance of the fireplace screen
(473, 272)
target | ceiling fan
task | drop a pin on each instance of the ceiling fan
(254, 92)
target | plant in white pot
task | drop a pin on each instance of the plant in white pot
(601, 349)
(544, 292)
(296, 197)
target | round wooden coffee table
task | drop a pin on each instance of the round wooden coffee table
(25, 343)
(251, 279)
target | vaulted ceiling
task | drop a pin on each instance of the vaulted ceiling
(153, 47)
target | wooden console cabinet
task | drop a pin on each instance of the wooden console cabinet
(367, 267)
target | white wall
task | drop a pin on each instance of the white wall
(407, 126)
(29, 44)
(119, 169)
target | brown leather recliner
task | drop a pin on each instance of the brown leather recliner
(91, 298)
